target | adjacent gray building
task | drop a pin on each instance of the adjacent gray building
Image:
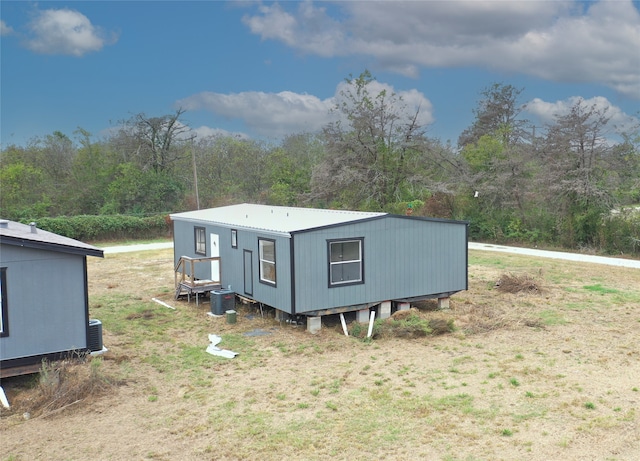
(314, 262)
(44, 301)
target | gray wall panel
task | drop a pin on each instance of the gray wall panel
(232, 261)
(403, 258)
(45, 302)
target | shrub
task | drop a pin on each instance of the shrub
(620, 234)
(405, 324)
(62, 384)
(106, 227)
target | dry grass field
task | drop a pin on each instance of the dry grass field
(543, 364)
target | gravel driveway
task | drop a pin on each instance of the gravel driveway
(472, 246)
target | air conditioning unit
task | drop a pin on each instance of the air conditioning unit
(222, 301)
(95, 335)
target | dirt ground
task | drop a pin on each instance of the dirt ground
(548, 373)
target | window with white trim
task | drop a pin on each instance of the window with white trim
(234, 238)
(346, 262)
(200, 239)
(267, 252)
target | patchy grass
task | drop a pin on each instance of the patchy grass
(598, 288)
(503, 374)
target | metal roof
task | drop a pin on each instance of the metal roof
(274, 219)
(18, 234)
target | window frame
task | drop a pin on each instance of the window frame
(200, 246)
(261, 259)
(4, 308)
(331, 264)
(234, 238)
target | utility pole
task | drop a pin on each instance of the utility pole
(195, 174)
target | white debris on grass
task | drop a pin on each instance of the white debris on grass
(162, 303)
(213, 348)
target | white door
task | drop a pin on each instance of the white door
(214, 240)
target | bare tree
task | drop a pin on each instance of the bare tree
(369, 149)
(576, 182)
(154, 142)
(577, 156)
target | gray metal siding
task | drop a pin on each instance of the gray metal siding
(403, 258)
(46, 302)
(232, 260)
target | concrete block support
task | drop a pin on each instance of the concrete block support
(385, 310)
(404, 306)
(281, 316)
(362, 316)
(443, 303)
(314, 324)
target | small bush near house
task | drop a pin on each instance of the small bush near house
(410, 323)
(513, 283)
(63, 384)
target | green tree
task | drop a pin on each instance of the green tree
(499, 166)
(626, 163)
(230, 169)
(485, 153)
(134, 191)
(290, 166)
(21, 196)
(497, 114)
(93, 169)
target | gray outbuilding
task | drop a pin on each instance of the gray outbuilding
(44, 297)
(315, 262)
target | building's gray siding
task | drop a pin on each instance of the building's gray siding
(403, 258)
(46, 302)
(233, 266)
(232, 260)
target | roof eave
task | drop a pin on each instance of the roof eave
(16, 241)
(234, 226)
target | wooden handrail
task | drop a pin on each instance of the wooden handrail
(181, 267)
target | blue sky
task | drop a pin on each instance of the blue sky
(267, 69)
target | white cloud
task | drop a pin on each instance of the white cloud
(5, 29)
(278, 114)
(547, 112)
(559, 41)
(321, 34)
(412, 101)
(268, 114)
(66, 32)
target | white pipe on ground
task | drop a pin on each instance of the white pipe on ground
(371, 319)
(344, 325)
(3, 398)
(162, 303)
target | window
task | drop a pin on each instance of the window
(267, 250)
(345, 262)
(200, 240)
(234, 238)
(4, 325)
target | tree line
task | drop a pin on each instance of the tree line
(566, 184)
